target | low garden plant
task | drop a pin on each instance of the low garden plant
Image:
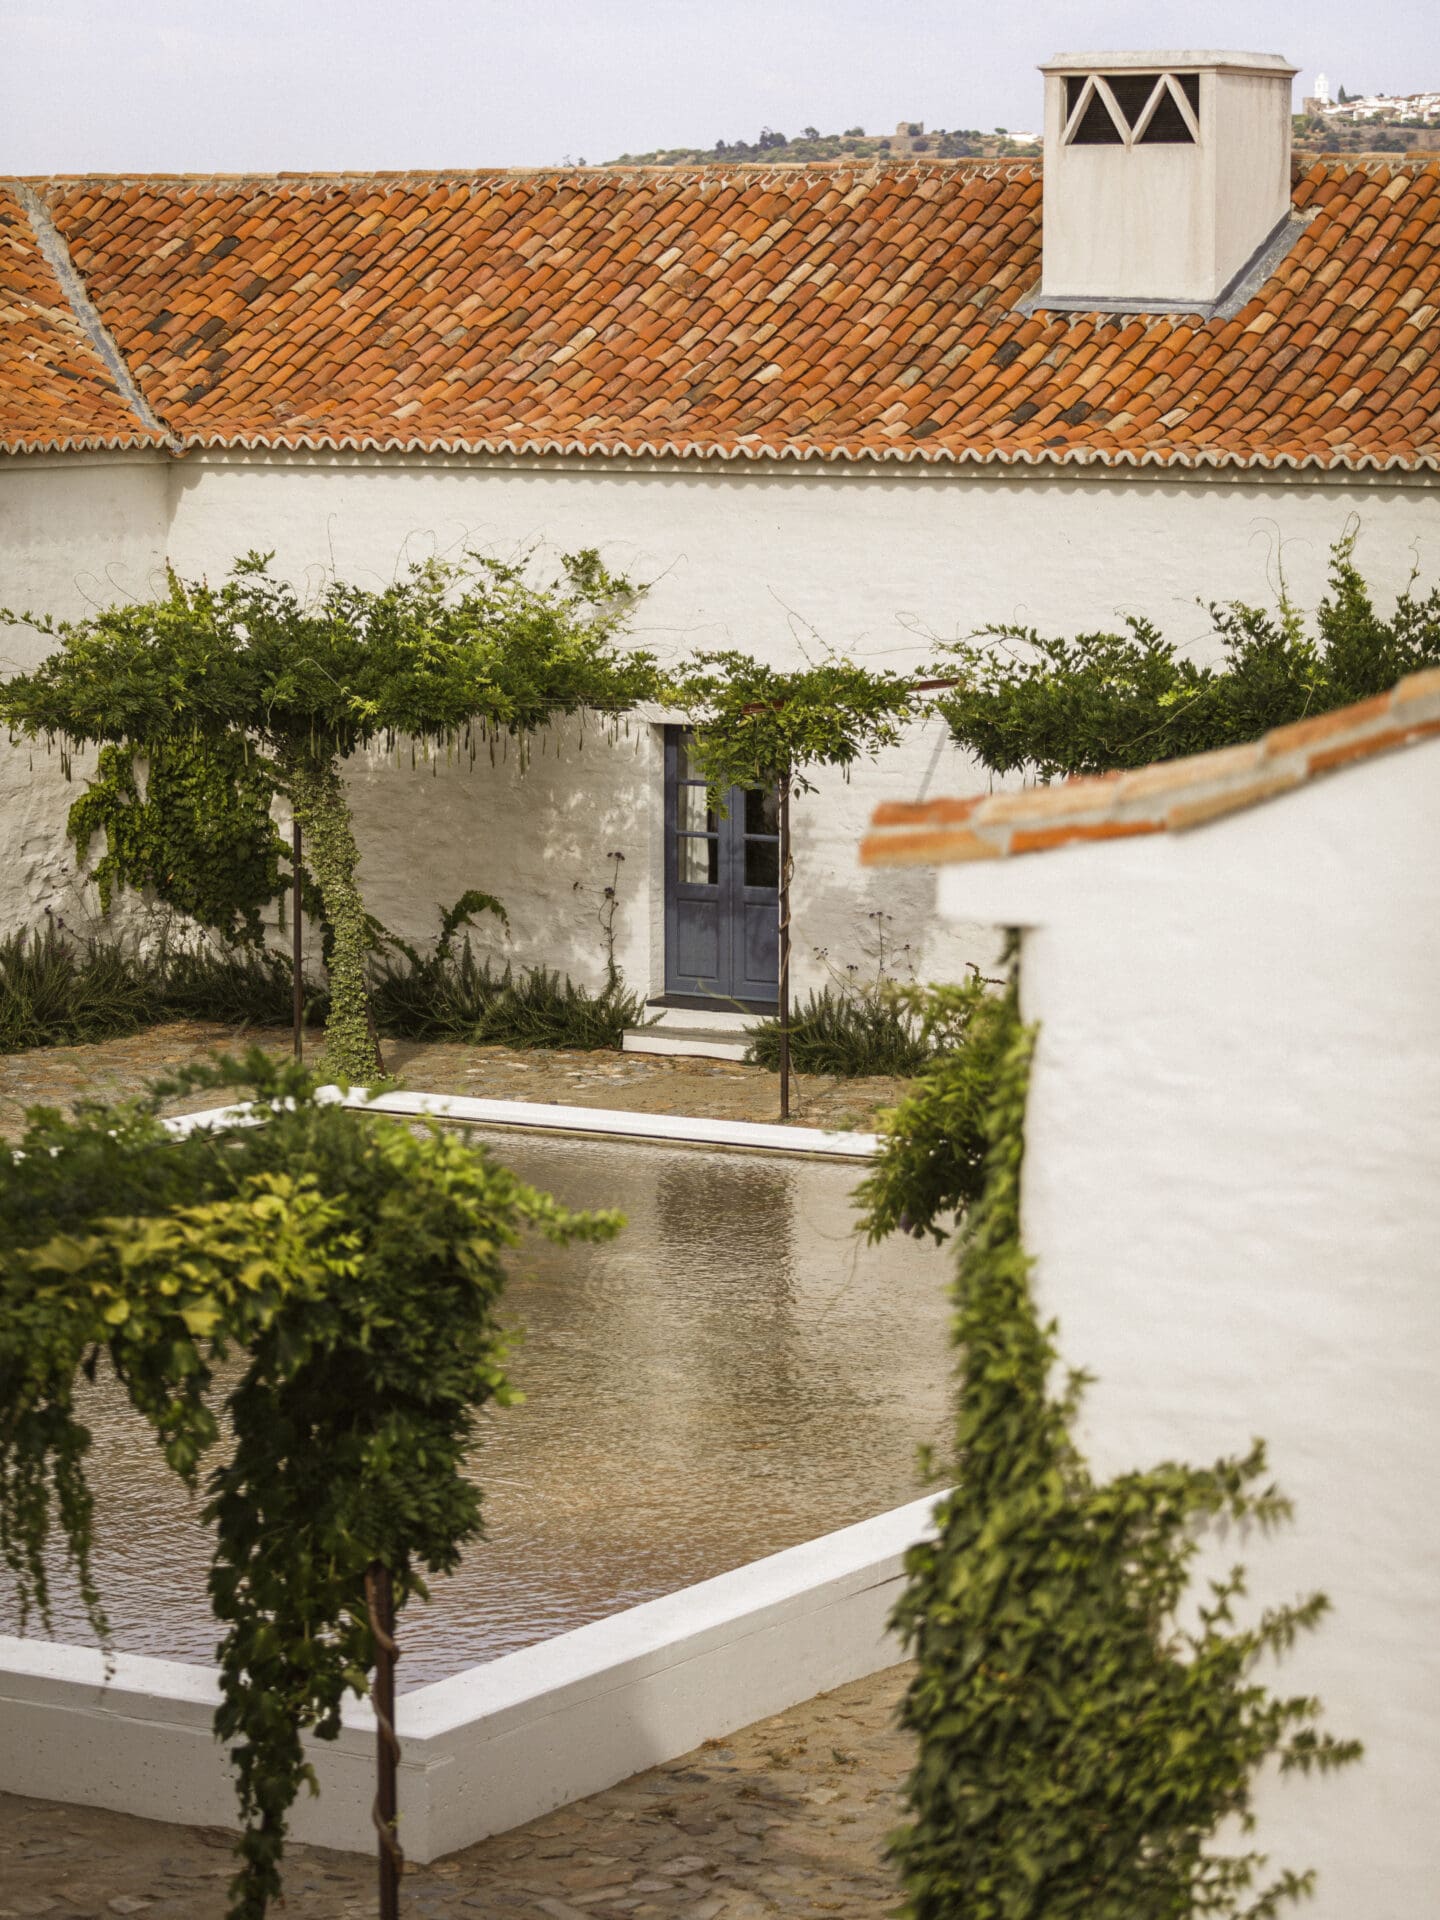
(346, 1274)
(847, 1031)
(1085, 1724)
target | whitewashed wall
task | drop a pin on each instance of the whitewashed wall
(1230, 1194)
(75, 533)
(778, 561)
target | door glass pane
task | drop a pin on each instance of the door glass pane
(762, 863)
(686, 767)
(695, 816)
(699, 861)
(762, 810)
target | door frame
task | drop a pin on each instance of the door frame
(733, 896)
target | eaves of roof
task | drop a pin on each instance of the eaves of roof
(814, 315)
(1172, 796)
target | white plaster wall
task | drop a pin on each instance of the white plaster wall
(74, 534)
(1230, 1193)
(780, 562)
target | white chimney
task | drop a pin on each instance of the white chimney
(1167, 177)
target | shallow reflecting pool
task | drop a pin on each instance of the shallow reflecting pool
(734, 1374)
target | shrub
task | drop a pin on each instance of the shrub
(846, 1031)
(336, 1282)
(460, 998)
(53, 994)
(1025, 703)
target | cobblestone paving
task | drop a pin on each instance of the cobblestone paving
(788, 1817)
(645, 1083)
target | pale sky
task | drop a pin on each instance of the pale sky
(352, 85)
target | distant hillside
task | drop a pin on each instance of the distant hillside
(1323, 133)
(910, 137)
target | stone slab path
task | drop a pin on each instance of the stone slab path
(786, 1818)
(637, 1082)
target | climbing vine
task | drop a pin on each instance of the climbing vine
(756, 723)
(349, 1271)
(200, 838)
(930, 1159)
(452, 656)
(1078, 1746)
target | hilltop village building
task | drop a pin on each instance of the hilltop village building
(862, 410)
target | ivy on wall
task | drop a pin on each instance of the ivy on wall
(1078, 1746)
(199, 839)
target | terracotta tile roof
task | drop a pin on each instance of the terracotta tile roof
(55, 390)
(1169, 797)
(787, 312)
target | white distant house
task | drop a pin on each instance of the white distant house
(850, 408)
(1230, 1191)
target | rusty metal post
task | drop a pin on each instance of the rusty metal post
(297, 957)
(785, 867)
(380, 1600)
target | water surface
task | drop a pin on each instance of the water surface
(734, 1374)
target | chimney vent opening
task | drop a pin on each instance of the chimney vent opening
(1132, 109)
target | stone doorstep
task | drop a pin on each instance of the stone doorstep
(692, 1032)
(694, 1043)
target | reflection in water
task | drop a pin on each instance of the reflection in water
(735, 1374)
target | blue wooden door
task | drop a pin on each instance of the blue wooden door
(722, 877)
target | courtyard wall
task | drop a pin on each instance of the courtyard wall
(779, 559)
(1229, 1195)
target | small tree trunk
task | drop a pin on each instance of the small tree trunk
(380, 1600)
(317, 795)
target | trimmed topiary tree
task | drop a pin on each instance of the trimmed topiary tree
(451, 656)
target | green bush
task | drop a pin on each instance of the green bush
(53, 994)
(460, 998)
(321, 1293)
(931, 1156)
(56, 991)
(846, 1031)
(1079, 1747)
(1058, 707)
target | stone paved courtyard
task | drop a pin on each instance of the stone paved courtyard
(648, 1083)
(787, 1817)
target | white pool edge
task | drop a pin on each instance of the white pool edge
(498, 1744)
(620, 1123)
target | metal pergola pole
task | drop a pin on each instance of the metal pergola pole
(297, 1007)
(784, 904)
